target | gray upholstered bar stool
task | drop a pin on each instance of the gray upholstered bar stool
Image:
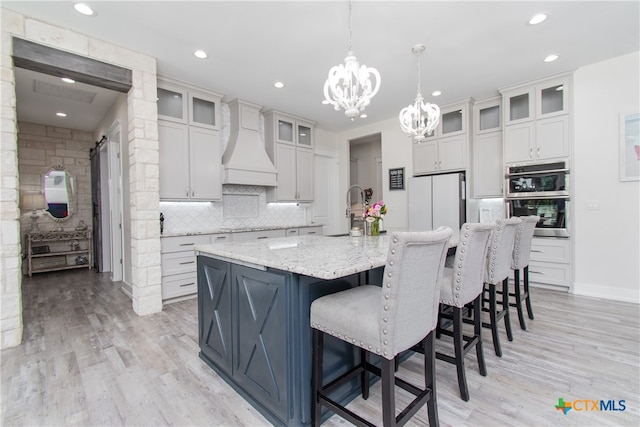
(520, 261)
(462, 285)
(385, 321)
(498, 271)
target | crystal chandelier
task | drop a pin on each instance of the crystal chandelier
(349, 85)
(420, 118)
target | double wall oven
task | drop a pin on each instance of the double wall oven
(540, 189)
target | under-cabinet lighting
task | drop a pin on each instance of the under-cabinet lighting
(68, 80)
(550, 58)
(84, 9)
(540, 17)
(61, 114)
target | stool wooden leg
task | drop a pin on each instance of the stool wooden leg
(316, 379)
(477, 331)
(493, 316)
(388, 392)
(430, 378)
(526, 289)
(458, 345)
(505, 307)
(516, 281)
(364, 376)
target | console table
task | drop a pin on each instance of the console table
(58, 250)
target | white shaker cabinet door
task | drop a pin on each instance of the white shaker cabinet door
(206, 183)
(286, 163)
(304, 174)
(173, 141)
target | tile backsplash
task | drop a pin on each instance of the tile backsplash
(241, 206)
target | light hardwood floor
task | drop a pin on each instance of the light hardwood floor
(87, 359)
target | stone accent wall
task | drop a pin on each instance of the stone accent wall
(142, 139)
(42, 147)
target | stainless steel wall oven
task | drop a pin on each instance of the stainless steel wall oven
(540, 189)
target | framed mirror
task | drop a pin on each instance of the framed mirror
(59, 193)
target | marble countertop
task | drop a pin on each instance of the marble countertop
(239, 230)
(316, 256)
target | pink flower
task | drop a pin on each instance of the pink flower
(377, 211)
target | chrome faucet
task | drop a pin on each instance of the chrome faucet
(348, 211)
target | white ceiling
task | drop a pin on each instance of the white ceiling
(473, 48)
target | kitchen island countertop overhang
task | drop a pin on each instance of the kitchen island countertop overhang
(321, 257)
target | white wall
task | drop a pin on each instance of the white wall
(607, 240)
(396, 152)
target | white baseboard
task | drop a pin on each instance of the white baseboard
(126, 288)
(606, 292)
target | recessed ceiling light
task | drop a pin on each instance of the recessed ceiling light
(68, 80)
(540, 17)
(436, 93)
(61, 114)
(550, 58)
(200, 54)
(363, 116)
(278, 85)
(325, 102)
(84, 9)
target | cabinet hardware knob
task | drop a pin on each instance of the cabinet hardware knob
(187, 262)
(187, 284)
(187, 244)
(536, 272)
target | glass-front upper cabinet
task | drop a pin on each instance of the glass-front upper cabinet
(181, 103)
(285, 130)
(305, 134)
(171, 104)
(519, 106)
(453, 119)
(552, 98)
(537, 101)
(488, 115)
(290, 130)
(204, 110)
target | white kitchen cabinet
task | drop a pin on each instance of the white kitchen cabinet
(178, 258)
(488, 174)
(551, 262)
(189, 142)
(289, 144)
(181, 103)
(190, 165)
(446, 149)
(537, 119)
(313, 230)
(487, 170)
(257, 235)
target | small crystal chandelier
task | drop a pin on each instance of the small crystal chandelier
(420, 118)
(349, 85)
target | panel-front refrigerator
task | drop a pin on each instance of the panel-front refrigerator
(437, 200)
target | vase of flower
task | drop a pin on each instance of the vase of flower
(375, 227)
(373, 215)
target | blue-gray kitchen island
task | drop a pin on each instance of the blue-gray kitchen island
(253, 314)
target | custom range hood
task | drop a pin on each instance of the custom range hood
(245, 160)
